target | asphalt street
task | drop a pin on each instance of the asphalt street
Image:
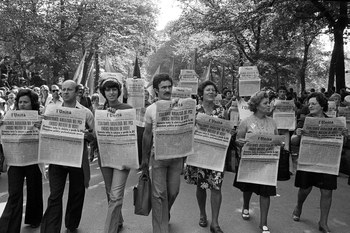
(185, 213)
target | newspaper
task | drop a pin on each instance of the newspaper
(284, 114)
(136, 92)
(321, 145)
(248, 73)
(259, 159)
(181, 92)
(117, 139)
(211, 140)
(189, 82)
(332, 109)
(19, 138)
(61, 138)
(174, 131)
(345, 112)
(243, 109)
(248, 87)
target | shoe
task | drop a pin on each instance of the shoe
(34, 225)
(264, 229)
(72, 230)
(323, 230)
(245, 214)
(296, 215)
(215, 229)
(120, 227)
(203, 222)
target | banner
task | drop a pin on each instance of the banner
(61, 138)
(211, 140)
(181, 92)
(284, 114)
(136, 92)
(19, 137)
(174, 131)
(321, 145)
(259, 159)
(117, 139)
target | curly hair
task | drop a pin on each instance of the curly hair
(110, 83)
(160, 78)
(33, 96)
(203, 85)
(321, 99)
(256, 99)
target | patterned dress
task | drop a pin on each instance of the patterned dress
(206, 178)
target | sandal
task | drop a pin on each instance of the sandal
(264, 229)
(203, 222)
(215, 229)
(296, 214)
(245, 214)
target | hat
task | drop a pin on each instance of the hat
(45, 87)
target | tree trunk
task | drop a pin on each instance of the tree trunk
(97, 67)
(303, 66)
(332, 70)
(339, 46)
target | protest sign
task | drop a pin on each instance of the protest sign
(116, 137)
(211, 140)
(61, 138)
(243, 109)
(136, 92)
(140, 117)
(173, 136)
(181, 92)
(259, 159)
(321, 145)
(234, 114)
(119, 77)
(19, 137)
(284, 114)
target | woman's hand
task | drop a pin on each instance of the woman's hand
(112, 110)
(240, 142)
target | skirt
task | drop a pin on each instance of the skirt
(306, 180)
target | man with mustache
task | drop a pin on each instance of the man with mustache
(165, 173)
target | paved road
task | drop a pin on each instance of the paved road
(185, 214)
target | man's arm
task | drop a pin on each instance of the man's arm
(147, 142)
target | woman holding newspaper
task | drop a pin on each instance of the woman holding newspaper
(258, 123)
(304, 180)
(11, 218)
(205, 178)
(115, 179)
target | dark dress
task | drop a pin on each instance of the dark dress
(253, 124)
(206, 178)
(304, 179)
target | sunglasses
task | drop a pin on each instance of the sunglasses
(55, 90)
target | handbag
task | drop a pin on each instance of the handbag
(143, 194)
(283, 166)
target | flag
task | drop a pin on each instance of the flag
(79, 72)
(172, 68)
(136, 72)
(90, 81)
(109, 65)
(206, 75)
